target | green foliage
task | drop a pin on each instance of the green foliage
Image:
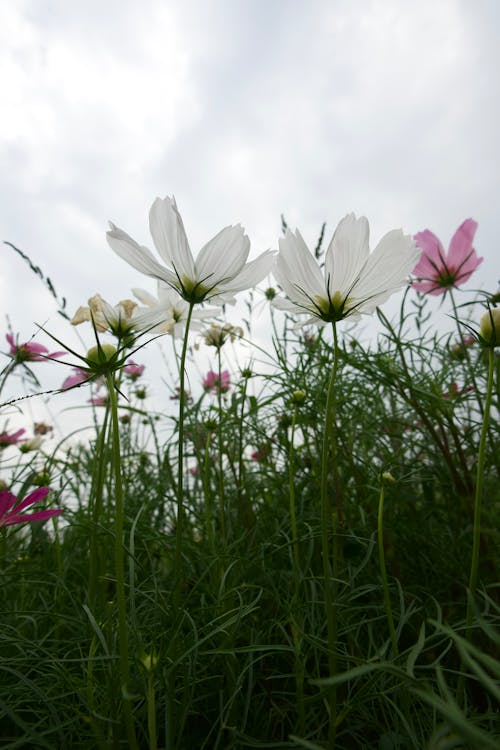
(235, 654)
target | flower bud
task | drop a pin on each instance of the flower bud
(387, 477)
(489, 327)
(102, 353)
(298, 397)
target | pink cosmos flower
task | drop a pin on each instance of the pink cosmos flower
(261, 454)
(213, 383)
(133, 371)
(79, 376)
(98, 400)
(10, 438)
(31, 351)
(437, 271)
(11, 507)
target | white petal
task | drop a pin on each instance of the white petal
(346, 254)
(251, 273)
(145, 297)
(137, 255)
(221, 259)
(154, 320)
(297, 271)
(169, 236)
(387, 268)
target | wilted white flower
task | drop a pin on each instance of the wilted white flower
(353, 282)
(217, 274)
(118, 319)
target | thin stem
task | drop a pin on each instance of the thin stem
(478, 500)
(119, 568)
(291, 482)
(476, 532)
(151, 712)
(96, 506)
(222, 499)
(465, 351)
(180, 455)
(326, 523)
(383, 571)
(297, 624)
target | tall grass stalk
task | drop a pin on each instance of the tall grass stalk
(179, 530)
(383, 571)
(478, 499)
(330, 586)
(119, 569)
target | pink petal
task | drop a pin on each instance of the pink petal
(433, 255)
(33, 497)
(429, 287)
(28, 517)
(461, 243)
(7, 500)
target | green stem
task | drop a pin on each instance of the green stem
(291, 481)
(297, 624)
(222, 499)
(245, 512)
(180, 455)
(151, 712)
(96, 506)
(383, 571)
(326, 524)
(119, 568)
(478, 500)
(465, 351)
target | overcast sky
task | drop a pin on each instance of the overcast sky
(243, 109)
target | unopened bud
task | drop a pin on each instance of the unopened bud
(102, 353)
(298, 397)
(489, 327)
(387, 477)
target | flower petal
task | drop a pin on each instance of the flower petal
(169, 236)
(223, 257)
(386, 270)
(461, 244)
(251, 273)
(42, 515)
(297, 272)
(33, 497)
(433, 259)
(138, 256)
(346, 254)
(7, 500)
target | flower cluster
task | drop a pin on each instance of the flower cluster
(212, 381)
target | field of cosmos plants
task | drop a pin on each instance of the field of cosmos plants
(298, 553)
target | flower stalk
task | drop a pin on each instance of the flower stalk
(180, 455)
(326, 529)
(383, 571)
(119, 568)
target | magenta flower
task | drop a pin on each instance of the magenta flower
(437, 271)
(79, 376)
(213, 383)
(98, 400)
(11, 507)
(10, 438)
(31, 351)
(133, 371)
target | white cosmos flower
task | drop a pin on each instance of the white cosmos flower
(219, 271)
(168, 312)
(353, 281)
